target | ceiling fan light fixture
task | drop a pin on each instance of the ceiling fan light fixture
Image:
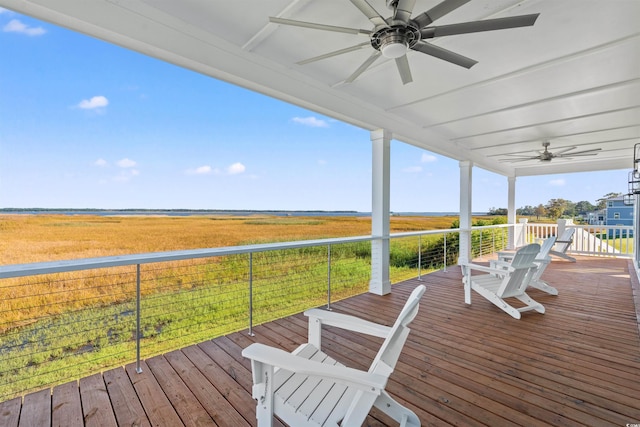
(394, 42)
(394, 49)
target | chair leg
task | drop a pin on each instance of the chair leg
(403, 415)
(563, 255)
(511, 311)
(543, 286)
(359, 409)
(498, 302)
(531, 304)
(466, 282)
(263, 393)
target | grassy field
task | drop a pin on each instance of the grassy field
(54, 328)
(36, 238)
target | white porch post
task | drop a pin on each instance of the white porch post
(511, 212)
(562, 225)
(380, 283)
(636, 229)
(466, 181)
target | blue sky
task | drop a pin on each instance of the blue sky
(85, 124)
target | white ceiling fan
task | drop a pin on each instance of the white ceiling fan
(395, 36)
(546, 155)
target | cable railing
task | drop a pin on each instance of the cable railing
(60, 321)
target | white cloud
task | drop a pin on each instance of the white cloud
(233, 169)
(3, 10)
(93, 103)
(412, 169)
(100, 162)
(313, 122)
(557, 182)
(236, 168)
(17, 26)
(126, 175)
(200, 170)
(428, 158)
(126, 163)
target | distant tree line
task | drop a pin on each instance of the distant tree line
(558, 208)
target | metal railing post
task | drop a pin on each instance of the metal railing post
(251, 294)
(445, 252)
(138, 326)
(419, 257)
(493, 240)
(329, 277)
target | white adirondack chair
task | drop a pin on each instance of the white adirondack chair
(542, 260)
(563, 243)
(508, 282)
(309, 388)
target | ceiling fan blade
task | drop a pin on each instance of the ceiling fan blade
(447, 55)
(334, 53)
(560, 152)
(315, 26)
(479, 26)
(361, 69)
(403, 68)
(403, 10)
(519, 159)
(438, 11)
(591, 152)
(369, 12)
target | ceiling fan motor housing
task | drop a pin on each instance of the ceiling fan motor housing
(546, 156)
(394, 41)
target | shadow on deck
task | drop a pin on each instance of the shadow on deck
(576, 365)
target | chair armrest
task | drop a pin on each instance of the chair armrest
(486, 269)
(498, 263)
(348, 322)
(506, 255)
(564, 241)
(278, 358)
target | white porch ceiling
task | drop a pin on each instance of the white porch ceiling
(572, 79)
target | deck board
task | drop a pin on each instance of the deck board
(187, 406)
(124, 400)
(95, 402)
(36, 409)
(66, 406)
(473, 365)
(153, 399)
(10, 412)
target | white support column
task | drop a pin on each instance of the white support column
(562, 225)
(636, 230)
(466, 181)
(380, 212)
(511, 212)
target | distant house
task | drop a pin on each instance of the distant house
(616, 212)
(597, 217)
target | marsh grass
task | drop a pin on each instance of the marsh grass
(201, 302)
(63, 326)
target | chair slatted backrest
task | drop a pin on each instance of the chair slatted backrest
(522, 268)
(392, 346)
(546, 247)
(565, 240)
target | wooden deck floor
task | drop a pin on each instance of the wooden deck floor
(576, 365)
